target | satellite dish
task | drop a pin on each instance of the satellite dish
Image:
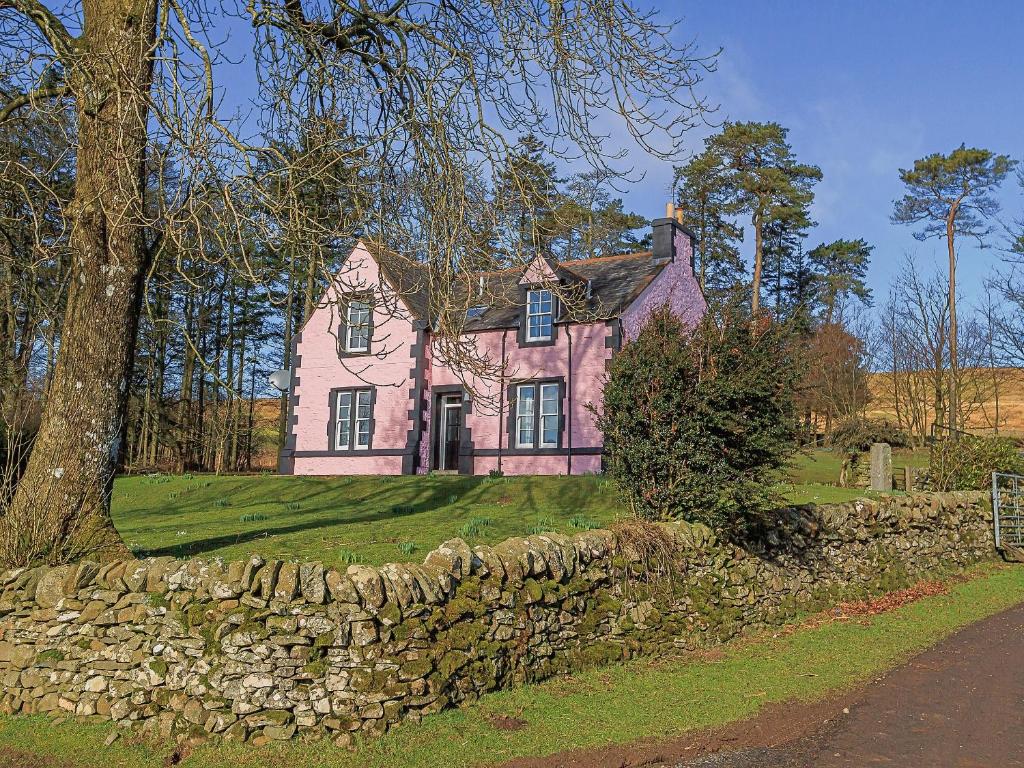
(281, 380)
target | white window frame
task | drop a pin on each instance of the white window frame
(343, 426)
(530, 314)
(529, 417)
(542, 415)
(348, 422)
(532, 418)
(361, 307)
(361, 424)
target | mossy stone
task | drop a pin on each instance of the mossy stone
(534, 591)
(465, 634)
(451, 662)
(390, 614)
(458, 608)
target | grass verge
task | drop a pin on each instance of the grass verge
(618, 704)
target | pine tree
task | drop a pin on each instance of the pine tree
(765, 180)
(703, 193)
(842, 267)
(951, 195)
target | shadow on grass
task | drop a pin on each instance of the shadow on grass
(427, 496)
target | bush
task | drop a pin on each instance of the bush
(858, 434)
(698, 425)
(967, 463)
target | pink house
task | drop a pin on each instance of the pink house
(374, 389)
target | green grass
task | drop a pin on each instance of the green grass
(822, 466)
(599, 706)
(370, 519)
(335, 519)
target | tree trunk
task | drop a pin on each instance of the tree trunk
(954, 370)
(61, 510)
(286, 358)
(755, 300)
(185, 414)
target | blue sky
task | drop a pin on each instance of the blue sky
(865, 88)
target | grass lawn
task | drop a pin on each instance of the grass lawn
(341, 519)
(620, 704)
(370, 519)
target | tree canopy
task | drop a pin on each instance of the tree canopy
(950, 195)
(766, 181)
(841, 268)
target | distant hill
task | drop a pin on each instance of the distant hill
(986, 382)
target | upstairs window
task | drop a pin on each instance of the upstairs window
(539, 315)
(538, 415)
(353, 415)
(357, 327)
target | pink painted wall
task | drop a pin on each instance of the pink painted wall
(589, 354)
(676, 285)
(538, 272)
(321, 369)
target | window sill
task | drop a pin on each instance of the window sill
(537, 343)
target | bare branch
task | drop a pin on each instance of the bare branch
(31, 99)
(48, 24)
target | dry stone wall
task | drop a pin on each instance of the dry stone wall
(271, 649)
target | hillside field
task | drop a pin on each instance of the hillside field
(1009, 382)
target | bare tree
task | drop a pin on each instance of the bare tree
(432, 94)
(915, 322)
(914, 330)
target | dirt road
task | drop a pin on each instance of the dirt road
(958, 705)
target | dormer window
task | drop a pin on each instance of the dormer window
(539, 315)
(357, 326)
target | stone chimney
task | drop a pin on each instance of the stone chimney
(666, 233)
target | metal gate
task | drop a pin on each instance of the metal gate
(1008, 511)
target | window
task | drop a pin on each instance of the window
(538, 419)
(525, 398)
(539, 315)
(362, 419)
(549, 403)
(344, 431)
(357, 327)
(353, 413)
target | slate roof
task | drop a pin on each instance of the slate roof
(615, 282)
(408, 278)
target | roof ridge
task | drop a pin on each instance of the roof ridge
(609, 257)
(569, 263)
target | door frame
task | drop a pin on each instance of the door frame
(437, 395)
(447, 402)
